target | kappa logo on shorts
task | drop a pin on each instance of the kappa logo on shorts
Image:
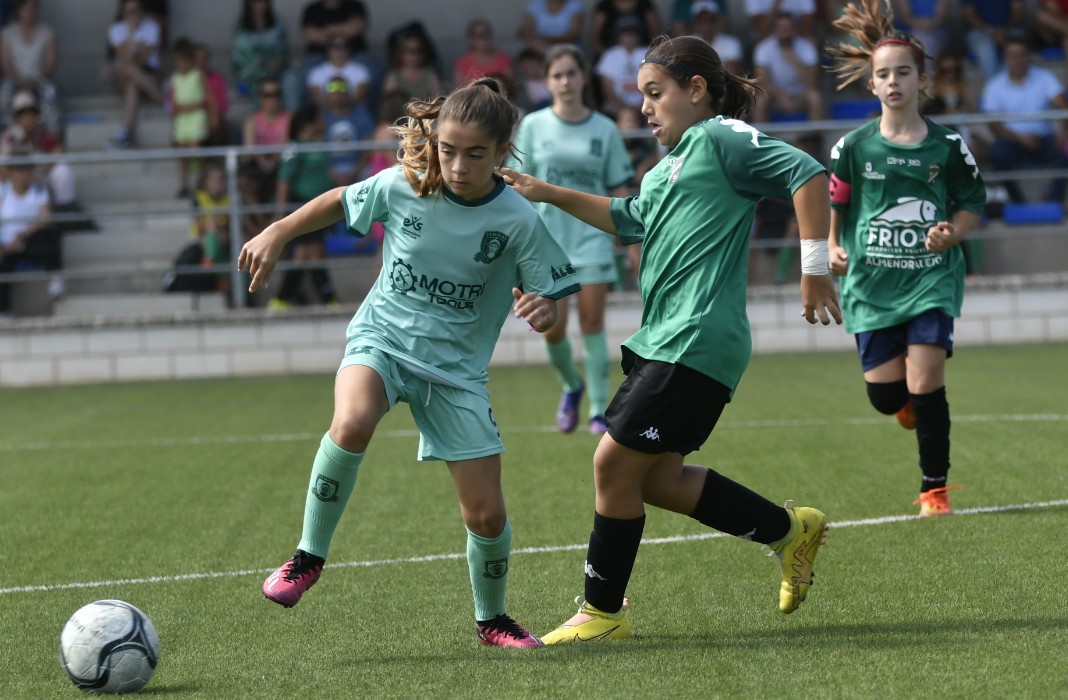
(496, 569)
(325, 488)
(651, 433)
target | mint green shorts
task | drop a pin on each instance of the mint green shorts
(454, 424)
(597, 274)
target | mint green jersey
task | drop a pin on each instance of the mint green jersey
(694, 216)
(448, 269)
(889, 196)
(588, 156)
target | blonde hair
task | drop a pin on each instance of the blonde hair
(483, 103)
(870, 23)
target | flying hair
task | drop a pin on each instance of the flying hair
(871, 24)
(482, 102)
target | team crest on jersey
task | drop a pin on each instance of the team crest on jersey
(401, 277)
(596, 147)
(361, 194)
(933, 170)
(493, 243)
(870, 173)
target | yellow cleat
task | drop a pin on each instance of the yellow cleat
(590, 624)
(797, 553)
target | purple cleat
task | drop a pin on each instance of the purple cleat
(567, 415)
(286, 585)
(503, 631)
(598, 426)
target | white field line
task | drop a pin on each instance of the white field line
(863, 522)
(304, 437)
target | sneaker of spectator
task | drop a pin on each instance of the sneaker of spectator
(28, 62)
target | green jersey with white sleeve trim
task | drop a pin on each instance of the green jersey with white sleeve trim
(588, 156)
(694, 216)
(448, 269)
(889, 195)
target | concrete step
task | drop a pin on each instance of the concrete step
(127, 242)
(90, 132)
(136, 304)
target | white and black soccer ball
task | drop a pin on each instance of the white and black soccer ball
(109, 647)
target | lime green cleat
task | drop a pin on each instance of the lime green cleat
(590, 624)
(797, 553)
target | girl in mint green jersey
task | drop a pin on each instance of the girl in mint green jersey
(461, 251)
(693, 218)
(904, 193)
(569, 144)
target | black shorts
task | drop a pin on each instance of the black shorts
(664, 407)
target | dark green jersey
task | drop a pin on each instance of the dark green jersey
(694, 216)
(890, 195)
(308, 174)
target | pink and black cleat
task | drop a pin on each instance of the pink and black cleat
(503, 631)
(286, 585)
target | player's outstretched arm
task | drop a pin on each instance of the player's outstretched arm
(819, 299)
(260, 254)
(591, 208)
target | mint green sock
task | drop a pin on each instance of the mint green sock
(596, 358)
(562, 359)
(333, 477)
(487, 560)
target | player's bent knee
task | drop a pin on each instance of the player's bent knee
(889, 397)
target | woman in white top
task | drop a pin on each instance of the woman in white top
(28, 60)
(133, 49)
(548, 22)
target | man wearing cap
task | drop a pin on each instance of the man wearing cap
(708, 26)
(29, 134)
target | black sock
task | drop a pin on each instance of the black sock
(729, 507)
(610, 559)
(932, 435)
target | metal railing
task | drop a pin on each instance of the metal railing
(231, 156)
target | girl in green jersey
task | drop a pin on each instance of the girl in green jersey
(904, 193)
(693, 217)
(458, 248)
(569, 144)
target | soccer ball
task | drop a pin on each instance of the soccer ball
(109, 647)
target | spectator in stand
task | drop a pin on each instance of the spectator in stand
(25, 235)
(29, 134)
(925, 20)
(763, 17)
(325, 20)
(950, 88)
(708, 25)
(532, 93)
(211, 220)
(194, 110)
(412, 70)
(617, 70)
(339, 65)
(548, 22)
(1051, 24)
(1024, 89)
(220, 134)
(28, 61)
(482, 57)
(605, 23)
(301, 178)
(346, 121)
(133, 61)
(267, 126)
(261, 50)
(159, 12)
(787, 67)
(682, 16)
(989, 23)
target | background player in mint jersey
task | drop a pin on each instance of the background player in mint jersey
(904, 192)
(461, 251)
(693, 217)
(569, 144)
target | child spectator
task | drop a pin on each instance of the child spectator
(346, 121)
(28, 60)
(482, 57)
(211, 225)
(617, 70)
(133, 60)
(28, 133)
(216, 82)
(762, 14)
(412, 71)
(193, 105)
(339, 64)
